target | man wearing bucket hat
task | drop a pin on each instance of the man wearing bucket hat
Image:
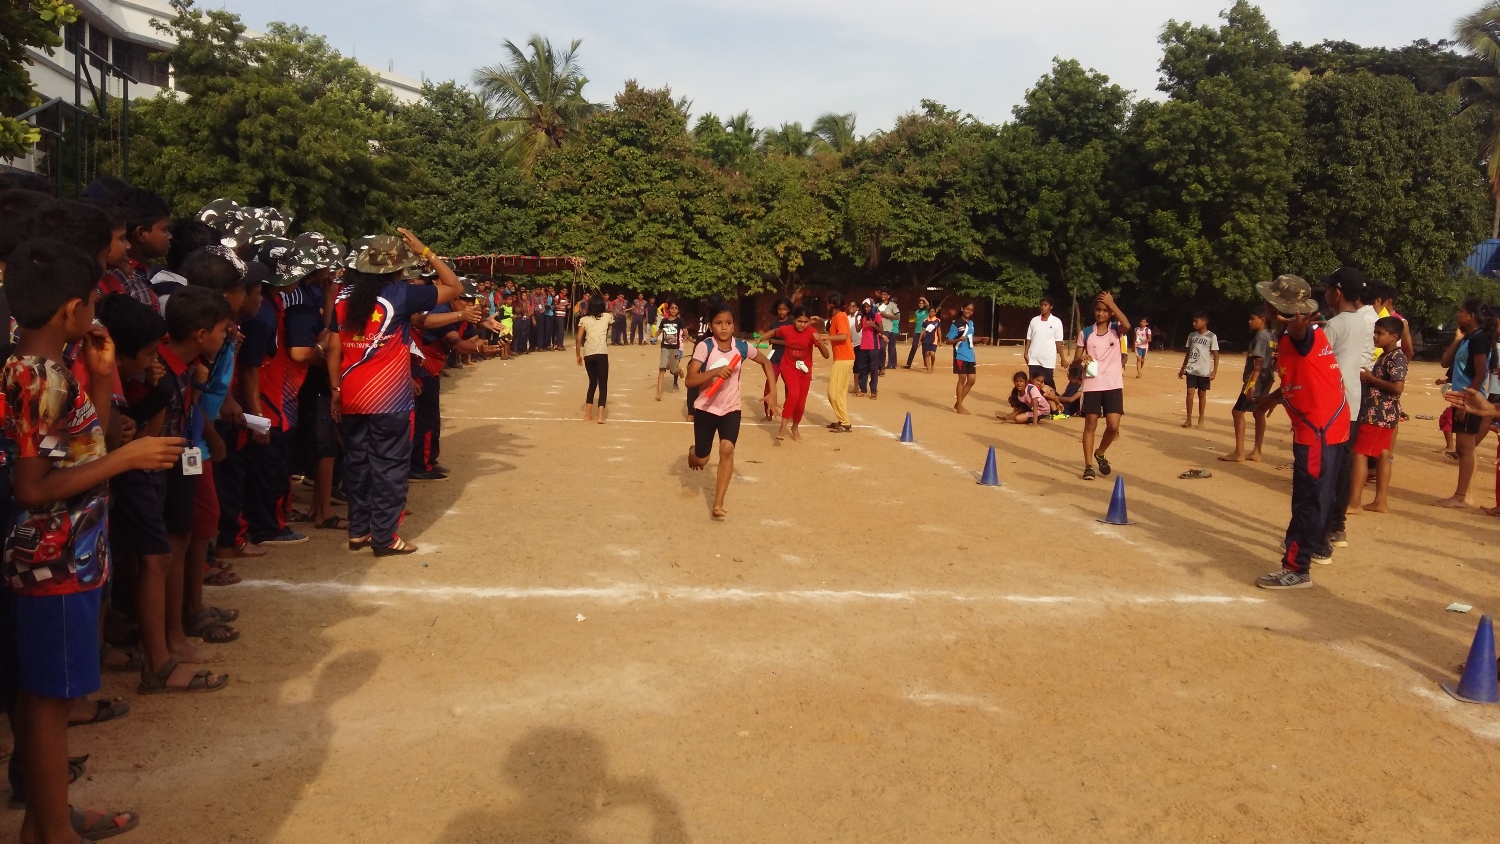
(370, 370)
(1312, 390)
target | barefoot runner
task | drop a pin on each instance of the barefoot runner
(715, 368)
(797, 339)
(961, 338)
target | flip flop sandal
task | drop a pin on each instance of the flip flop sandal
(133, 660)
(1194, 474)
(221, 577)
(108, 825)
(333, 523)
(297, 517)
(213, 630)
(359, 544)
(78, 767)
(104, 711)
(152, 684)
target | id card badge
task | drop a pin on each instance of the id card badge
(192, 461)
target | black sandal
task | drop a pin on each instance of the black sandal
(210, 628)
(398, 548)
(104, 711)
(157, 683)
(333, 523)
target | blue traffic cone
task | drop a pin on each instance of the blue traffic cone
(990, 476)
(906, 436)
(1478, 684)
(1117, 506)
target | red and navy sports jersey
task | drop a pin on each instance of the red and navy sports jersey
(430, 341)
(376, 356)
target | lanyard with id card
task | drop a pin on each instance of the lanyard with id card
(192, 456)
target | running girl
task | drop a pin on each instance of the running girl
(783, 316)
(797, 338)
(930, 326)
(715, 369)
(1143, 337)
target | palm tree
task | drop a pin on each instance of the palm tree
(837, 130)
(790, 139)
(536, 100)
(1479, 96)
(742, 129)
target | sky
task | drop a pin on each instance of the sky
(793, 60)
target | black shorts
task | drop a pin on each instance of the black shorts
(1245, 404)
(963, 367)
(706, 425)
(1104, 402)
(1470, 423)
(178, 510)
(1198, 382)
(137, 514)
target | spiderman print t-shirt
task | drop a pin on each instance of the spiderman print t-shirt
(61, 548)
(377, 355)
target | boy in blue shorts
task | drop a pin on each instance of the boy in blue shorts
(57, 558)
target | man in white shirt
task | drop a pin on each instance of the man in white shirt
(1353, 341)
(1044, 344)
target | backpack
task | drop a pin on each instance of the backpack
(692, 392)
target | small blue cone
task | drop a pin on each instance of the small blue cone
(1478, 685)
(906, 436)
(990, 476)
(1117, 505)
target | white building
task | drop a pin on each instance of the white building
(121, 32)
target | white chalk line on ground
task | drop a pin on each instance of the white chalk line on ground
(612, 420)
(635, 592)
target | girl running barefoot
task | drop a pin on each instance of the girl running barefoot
(715, 368)
(797, 339)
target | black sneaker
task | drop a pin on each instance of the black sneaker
(1338, 539)
(286, 537)
(1103, 464)
(1088, 473)
(1284, 579)
(427, 476)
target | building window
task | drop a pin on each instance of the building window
(72, 35)
(135, 60)
(99, 45)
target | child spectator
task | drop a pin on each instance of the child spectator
(1200, 365)
(1027, 402)
(1070, 403)
(1254, 384)
(57, 557)
(931, 324)
(1379, 412)
(148, 221)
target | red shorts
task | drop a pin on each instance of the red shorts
(1373, 441)
(206, 505)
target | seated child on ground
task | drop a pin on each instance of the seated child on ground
(1028, 404)
(1070, 403)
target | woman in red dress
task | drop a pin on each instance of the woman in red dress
(797, 339)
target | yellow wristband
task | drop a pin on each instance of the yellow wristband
(426, 252)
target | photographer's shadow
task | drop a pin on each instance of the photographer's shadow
(565, 794)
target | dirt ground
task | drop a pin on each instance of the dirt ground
(871, 648)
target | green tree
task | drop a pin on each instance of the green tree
(472, 200)
(837, 131)
(283, 120)
(634, 198)
(1430, 66)
(25, 24)
(916, 197)
(1386, 182)
(537, 98)
(729, 144)
(794, 216)
(1059, 221)
(1479, 94)
(1212, 160)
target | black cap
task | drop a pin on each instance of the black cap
(1348, 281)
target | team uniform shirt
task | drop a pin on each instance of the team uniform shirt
(376, 356)
(1200, 359)
(1036, 399)
(63, 548)
(1312, 389)
(300, 312)
(1104, 350)
(726, 399)
(930, 325)
(1143, 338)
(963, 332)
(178, 419)
(1379, 408)
(619, 309)
(430, 344)
(638, 309)
(1044, 335)
(839, 324)
(262, 333)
